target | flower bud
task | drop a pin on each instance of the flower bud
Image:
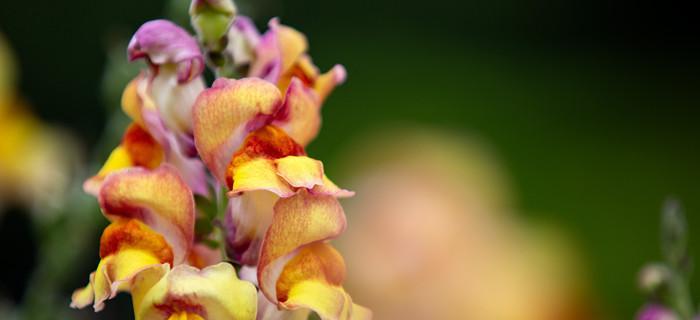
(212, 19)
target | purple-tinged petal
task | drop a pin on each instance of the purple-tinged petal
(268, 58)
(163, 42)
(243, 38)
(300, 114)
(190, 168)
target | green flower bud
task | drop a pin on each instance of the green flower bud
(212, 19)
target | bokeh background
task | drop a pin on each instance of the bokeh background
(590, 110)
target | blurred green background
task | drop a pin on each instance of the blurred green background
(591, 106)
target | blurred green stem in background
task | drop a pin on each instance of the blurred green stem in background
(668, 282)
(674, 245)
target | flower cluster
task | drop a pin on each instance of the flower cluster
(231, 155)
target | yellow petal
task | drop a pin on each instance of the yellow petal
(212, 293)
(292, 44)
(253, 162)
(158, 198)
(326, 82)
(259, 174)
(117, 160)
(114, 273)
(318, 263)
(126, 248)
(224, 115)
(83, 297)
(300, 172)
(131, 102)
(313, 279)
(134, 234)
(185, 316)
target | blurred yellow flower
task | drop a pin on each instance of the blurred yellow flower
(35, 159)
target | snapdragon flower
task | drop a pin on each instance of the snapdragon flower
(279, 209)
(159, 101)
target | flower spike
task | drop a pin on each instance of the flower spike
(281, 210)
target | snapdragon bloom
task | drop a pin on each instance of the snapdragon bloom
(159, 101)
(35, 158)
(278, 212)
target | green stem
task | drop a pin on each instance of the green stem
(680, 296)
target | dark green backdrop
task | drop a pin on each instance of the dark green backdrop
(592, 106)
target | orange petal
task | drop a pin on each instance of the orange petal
(131, 234)
(224, 115)
(268, 142)
(159, 198)
(126, 248)
(138, 148)
(298, 221)
(313, 279)
(143, 150)
(317, 262)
